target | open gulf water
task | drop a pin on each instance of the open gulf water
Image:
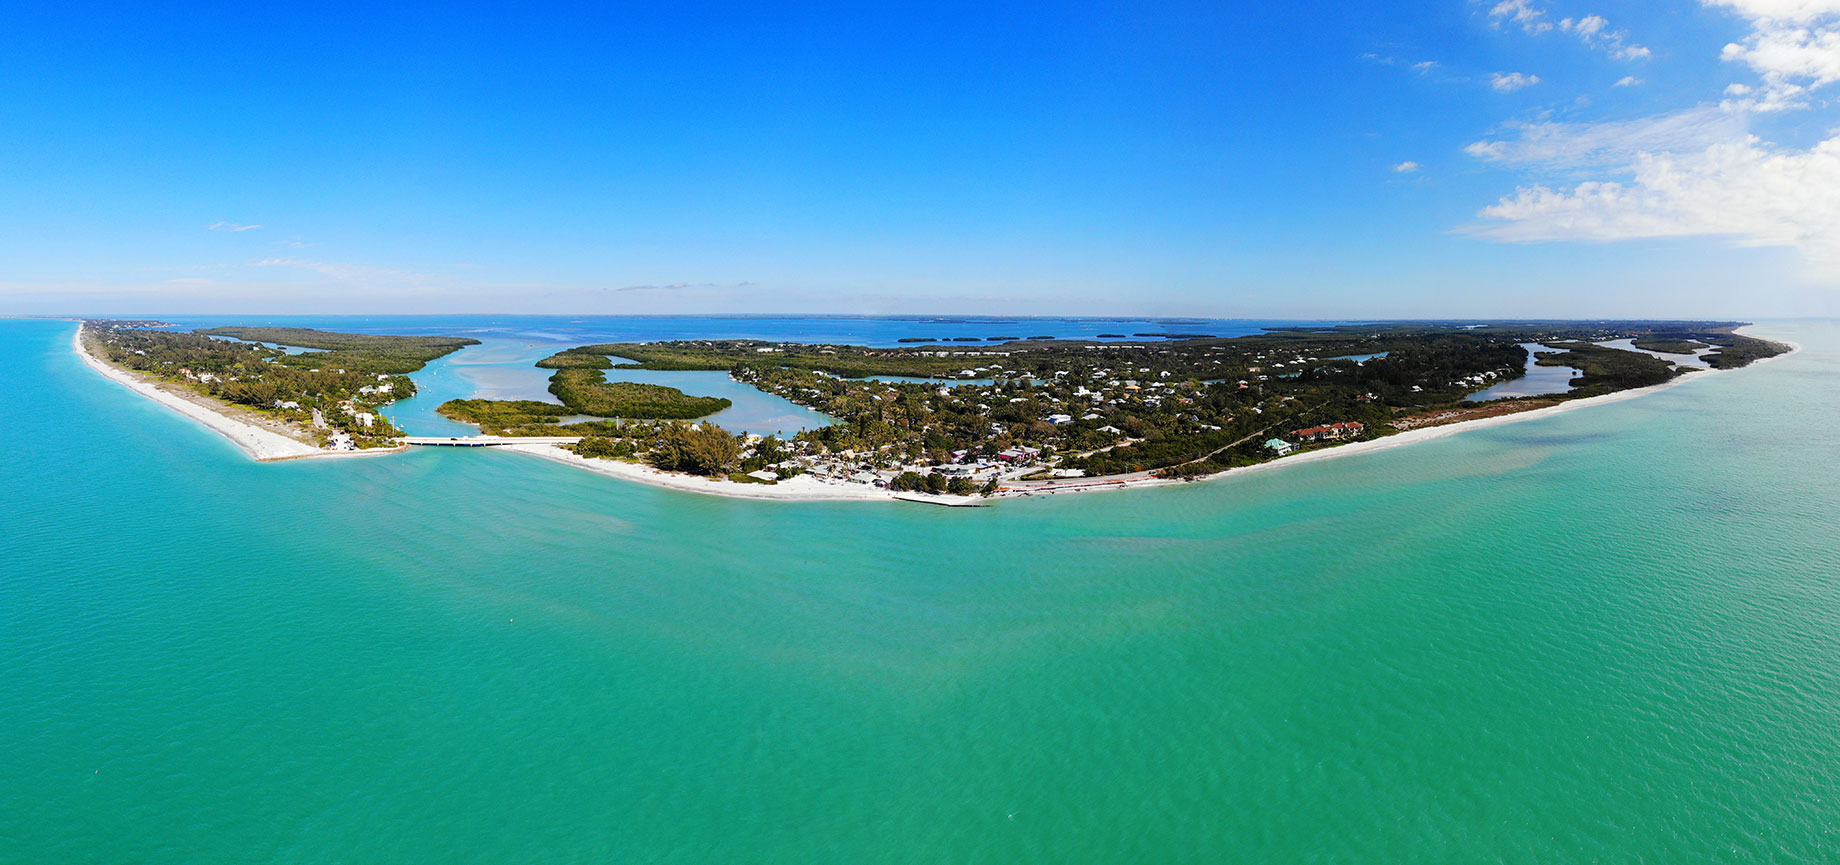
(1607, 635)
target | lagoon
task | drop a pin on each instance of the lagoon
(1538, 380)
(506, 369)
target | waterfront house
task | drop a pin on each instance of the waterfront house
(1279, 446)
(1330, 432)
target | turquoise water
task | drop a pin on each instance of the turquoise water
(505, 369)
(1608, 635)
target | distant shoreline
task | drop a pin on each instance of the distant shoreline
(265, 445)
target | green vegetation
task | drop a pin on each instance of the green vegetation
(1606, 370)
(356, 352)
(1734, 351)
(1667, 345)
(605, 447)
(575, 360)
(507, 417)
(588, 391)
(266, 380)
(704, 449)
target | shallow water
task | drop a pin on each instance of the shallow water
(1538, 381)
(505, 369)
(1605, 635)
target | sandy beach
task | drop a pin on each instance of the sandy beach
(263, 445)
(800, 488)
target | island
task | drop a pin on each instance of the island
(949, 422)
(275, 404)
(1036, 415)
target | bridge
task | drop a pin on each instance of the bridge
(486, 441)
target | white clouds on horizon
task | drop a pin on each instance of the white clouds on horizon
(1407, 167)
(357, 275)
(230, 226)
(1747, 191)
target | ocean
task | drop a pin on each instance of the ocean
(1608, 635)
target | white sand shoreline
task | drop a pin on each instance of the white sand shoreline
(259, 444)
(268, 446)
(802, 487)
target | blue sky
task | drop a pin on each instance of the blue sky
(1519, 158)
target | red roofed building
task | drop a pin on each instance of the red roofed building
(1332, 432)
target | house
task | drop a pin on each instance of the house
(1019, 454)
(1330, 432)
(1060, 419)
(1280, 446)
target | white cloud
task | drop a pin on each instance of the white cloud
(1424, 66)
(1509, 82)
(1616, 144)
(1594, 30)
(1627, 81)
(1793, 46)
(1587, 27)
(1407, 167)
(1789, 11)
(230, 226)
(1522, 13)
(1746, 190)
(1698, 172)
